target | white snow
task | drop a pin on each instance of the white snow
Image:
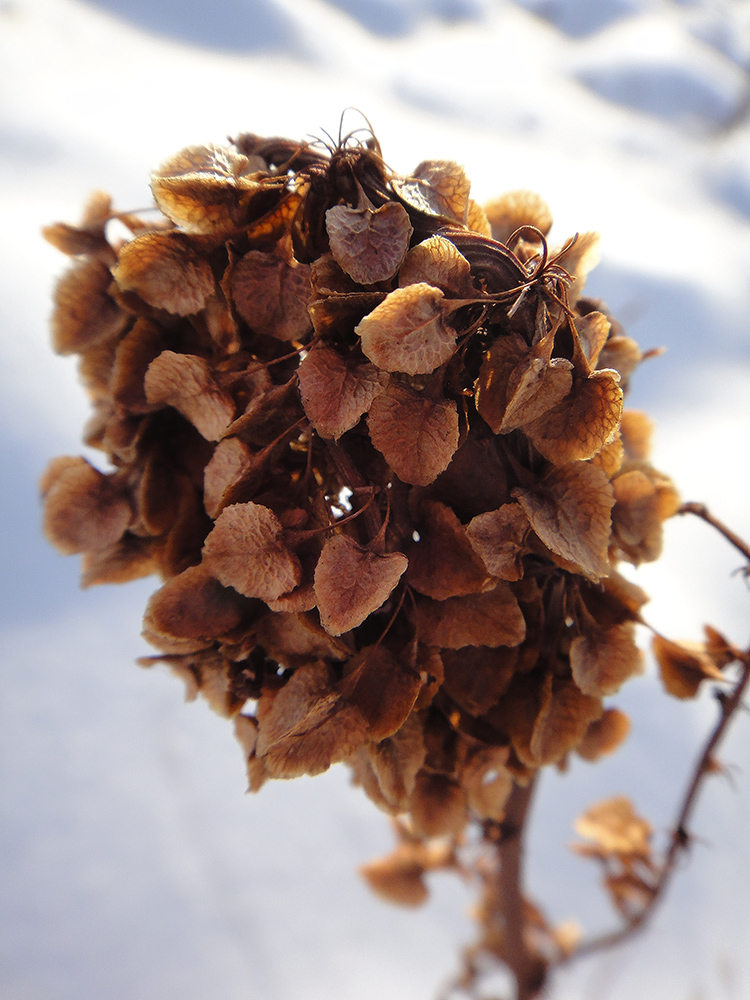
(132, 866)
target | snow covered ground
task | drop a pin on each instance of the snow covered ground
(132, 867)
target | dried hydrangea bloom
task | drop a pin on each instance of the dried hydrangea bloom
(372, 440)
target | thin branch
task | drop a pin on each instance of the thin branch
(700, 510)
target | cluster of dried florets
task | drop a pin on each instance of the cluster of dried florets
(371, 437)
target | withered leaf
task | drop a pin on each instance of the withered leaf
(351, 582)
(407, 332)
(579, 426)
(272, 294)
(615, 827)
(416, 435)
(229, 463)
(498, 537)
(203, 189)
(562, 722)
(477, 677)
(306, 726)
(245, 550)
(397, 877)
(396, 760)
(294, 639)
(636, 429)
(604, 735)
(570, 511)
(684, 666)
(134, 354)
(438, 262)
(84, 509)
(490, 619)
(443, 562)
(603, 659)
(166, 271)
(369, 243)
(186, 382)
(335, 391)
(84, 314)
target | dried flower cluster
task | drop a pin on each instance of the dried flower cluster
(371, 437)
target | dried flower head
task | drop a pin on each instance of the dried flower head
(372, 440)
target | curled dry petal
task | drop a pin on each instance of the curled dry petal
(397, 877)
(579, 426)
(593, 330)
(166, 271)
(382, 688)
(203, 189)
(395, 762)
(637, 429)
(335, 391)
(351, 582)
(603, 659)
(368, 243)
(186, 382)
(84, 314)
(578, 259)
(570, 511)
(407, 332)
(416, 435)
(684, 666)
(134, 354)
(272, 294)
(490, 619)
(644, 499)
(498, 537)
(245, 550)
(84, 510)
(229, 463)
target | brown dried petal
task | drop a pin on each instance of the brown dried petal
(437, 187)
(498, 536)
(397, 878)
(603, 659)
(186, 382)
(636, 429)
(306, 726)
(382, 688)
(443, 563)
(534, 388)
(203, 188)
(246, 551)
(335, 392)
(615, 827)
(193, 605)
(644, 499)
(229, 463)
(135, 352)
(570, 511)
(436, 261)
(166, 272)
(562, 722)
(272, 294)
(604, 735)
(515, 209)
(369, 244)
(407, 332)
(84, 314)
(490, 619)
(683, 666)
(84, 510)
(416, 435)
(593, 330)
(437, 806)
(622, 354)
(579, 426)
(580, 258)
(352, 582)
(477, 677)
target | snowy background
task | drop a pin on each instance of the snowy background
(132, 866)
